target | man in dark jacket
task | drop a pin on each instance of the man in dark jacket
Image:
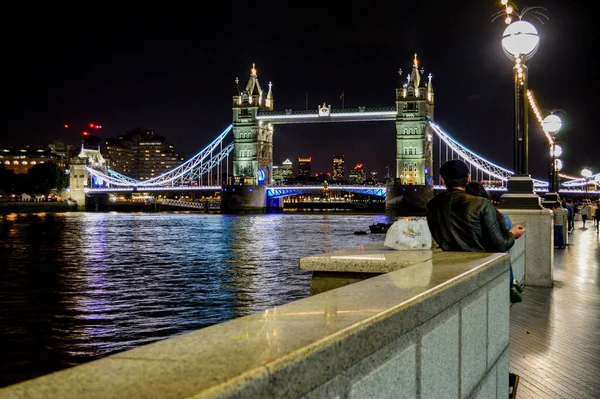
(462, 222)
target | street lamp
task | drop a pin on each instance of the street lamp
(551, 125)
(586, 173)
(520, 42)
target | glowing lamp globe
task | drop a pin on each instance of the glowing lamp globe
(552, 124)
(557, 151)
(558, 164)
(520, 39)
(586, 173)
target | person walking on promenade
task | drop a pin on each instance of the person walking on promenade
(586, 212)
(572, 217)
(597, 216)
(559, 215)
(570, 214)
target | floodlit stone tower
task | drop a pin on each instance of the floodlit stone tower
(412, 187)
(414, 152)
(253, 139)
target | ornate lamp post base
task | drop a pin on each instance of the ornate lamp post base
(520, 194)
(550, 199)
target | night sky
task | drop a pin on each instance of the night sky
(173, 70)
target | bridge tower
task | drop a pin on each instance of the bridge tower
(253, 140)
(413, 184)
(252, 150)
(80, 179)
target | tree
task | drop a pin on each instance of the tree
(44, 177)
(7, 180)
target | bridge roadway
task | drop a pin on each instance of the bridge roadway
(202, 205)
(285, 191)
(554, 332)
(361, 114)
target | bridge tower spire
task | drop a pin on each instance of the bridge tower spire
(253, 140)
(269, 102)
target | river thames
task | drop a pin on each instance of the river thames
(75, 287)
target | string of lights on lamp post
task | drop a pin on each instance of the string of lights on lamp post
(551, 125)
(538, 114)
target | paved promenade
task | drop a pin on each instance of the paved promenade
(555, 332)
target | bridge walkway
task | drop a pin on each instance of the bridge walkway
(555, 332)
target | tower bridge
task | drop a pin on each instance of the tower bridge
(243, 152)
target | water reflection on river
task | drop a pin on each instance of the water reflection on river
(75, 287)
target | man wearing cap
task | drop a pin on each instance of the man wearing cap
(462, 222)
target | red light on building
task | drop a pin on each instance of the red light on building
(66, 126)
(85, 133)
(92, 125)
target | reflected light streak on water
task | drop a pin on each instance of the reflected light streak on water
(75, 287)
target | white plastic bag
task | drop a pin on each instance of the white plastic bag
(408, 233)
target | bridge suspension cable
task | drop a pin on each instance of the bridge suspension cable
(194, 168)
(475, 160)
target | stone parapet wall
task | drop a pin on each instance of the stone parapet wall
(439, 328)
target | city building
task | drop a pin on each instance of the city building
(20, 160)
(283, 172)
(338, 167)
(374, 177)
(141, 154)
(288, 166)
(304, 166)
(63, 149)
(357, 174)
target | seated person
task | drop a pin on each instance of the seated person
(459, 221)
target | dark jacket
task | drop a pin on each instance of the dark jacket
(462, 222)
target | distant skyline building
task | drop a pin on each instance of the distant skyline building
(20, 160)
(141, 154)
(338, 167)
(61, 148)
(357, 174)
(283, 172)
(304, 166)
(374, 176)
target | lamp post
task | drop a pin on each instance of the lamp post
(551, 125)
(520, 42)
(586, 173)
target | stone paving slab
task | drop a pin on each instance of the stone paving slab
(555, 332)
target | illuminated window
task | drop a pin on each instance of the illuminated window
(15, 162)
(24, 163)
(7, 162)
